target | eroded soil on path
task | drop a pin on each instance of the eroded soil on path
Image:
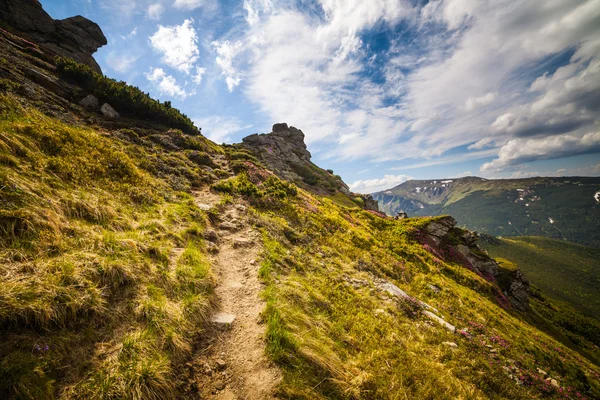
(231, 362)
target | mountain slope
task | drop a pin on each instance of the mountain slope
(560, 208)
(565, 271)
(118, 234)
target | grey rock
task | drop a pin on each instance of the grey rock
(441, 227)
(241, 242)
(212, 248)
(439, 320)
(46, 81)
(370, 202)
(222, 320)
(228, 226)
(280, 127)
(518, 291)
(75, 37)
(211, 235)
(204, 206)
(401, 215)
(219, 384)
(434, 288)
(221, 364)
(90, 102)
(108, 111)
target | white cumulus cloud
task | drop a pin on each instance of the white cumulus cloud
(155, 11)
(519, 151)
(120, 62)
(226, 52)
(219, 128)
(375, 185)
(177, 44)
(166, 84)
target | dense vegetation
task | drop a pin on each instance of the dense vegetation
(104, 282)
(567, 272)
(559, 208)
(125, 97)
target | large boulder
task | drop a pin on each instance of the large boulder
(108, 111)
(90, 102)
(75, 37)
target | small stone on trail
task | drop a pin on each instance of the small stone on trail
(450, 344)
(253, 262)
(212, 248)
(211, 236)
(222, 320)
(240, 207)
(108, 111)
(219, 384)
(228, 226)
(241, 242)
(220, 364)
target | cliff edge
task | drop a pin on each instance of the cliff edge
(75, 37)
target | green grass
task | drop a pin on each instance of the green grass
(567, 272)
(336, 341)
(93, 303)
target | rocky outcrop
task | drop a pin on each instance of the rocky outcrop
(281, 149)
(461, 246)
(284, 152)
(75, 37)
(370, 202)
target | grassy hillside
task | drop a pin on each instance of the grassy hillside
(565, 271)
(106, 282)
(88, 227)
(559, 208)
(337, 335)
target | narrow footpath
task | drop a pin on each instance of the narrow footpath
(232, 362)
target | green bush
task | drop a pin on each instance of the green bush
(125, 97)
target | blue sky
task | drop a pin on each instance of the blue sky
(385, 90)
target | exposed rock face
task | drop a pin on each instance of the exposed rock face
(461, 244)
(75, 37)
(518, 291)
(284, 146)
(370, 202)
(284, 152)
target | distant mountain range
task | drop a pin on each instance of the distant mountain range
(565, 208)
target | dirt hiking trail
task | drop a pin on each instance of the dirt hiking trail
(232, 363)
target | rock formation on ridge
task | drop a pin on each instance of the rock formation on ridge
(284, 152)
(75, 37)
(461, 246)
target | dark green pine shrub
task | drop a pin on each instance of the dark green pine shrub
(125, 97)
